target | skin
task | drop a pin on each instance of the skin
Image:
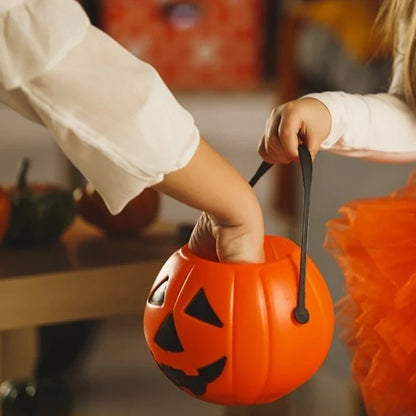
(305, 120)
(225, 232)
(231, 227)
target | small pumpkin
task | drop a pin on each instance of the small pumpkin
(137, 214)
(226, 333)
(39, 212)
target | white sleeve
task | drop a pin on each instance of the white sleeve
(379, 127)
(35, 35)
(110, 113)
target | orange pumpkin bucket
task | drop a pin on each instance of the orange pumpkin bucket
(241, 333)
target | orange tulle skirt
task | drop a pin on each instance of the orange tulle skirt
(375, 244)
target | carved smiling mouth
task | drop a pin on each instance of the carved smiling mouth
(196, 384)
(167, 338)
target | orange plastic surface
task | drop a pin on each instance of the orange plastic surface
(267, 353)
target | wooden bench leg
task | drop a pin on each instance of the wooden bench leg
(17, 353)
(1, 357)
(1, 366)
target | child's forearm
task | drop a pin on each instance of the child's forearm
(211, 184)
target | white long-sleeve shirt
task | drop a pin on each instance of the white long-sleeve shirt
(380, 127)
(117, 122)
(110, 113)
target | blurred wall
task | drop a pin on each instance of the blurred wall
(21, 138)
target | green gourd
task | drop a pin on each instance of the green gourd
(39, 212)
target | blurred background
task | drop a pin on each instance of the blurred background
(228, 62)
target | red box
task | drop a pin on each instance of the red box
(192, 44)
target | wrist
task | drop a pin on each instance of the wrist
(336, 127)
(211, 184)
(242, 210)
(240, 235)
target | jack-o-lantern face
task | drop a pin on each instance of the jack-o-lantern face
(168, 339)
(225, 333)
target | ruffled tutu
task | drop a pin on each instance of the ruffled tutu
(375, 244)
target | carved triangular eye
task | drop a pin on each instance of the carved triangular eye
(200, 308)
(158, 295)
(167, 336)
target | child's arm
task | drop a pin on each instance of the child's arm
(380, 127)
(233, 229)
(115, 119)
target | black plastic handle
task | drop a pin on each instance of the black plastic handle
(300, 313)
(263, 168)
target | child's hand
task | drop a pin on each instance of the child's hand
(306, 120)
(241, 243)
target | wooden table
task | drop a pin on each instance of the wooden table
(85, 276)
